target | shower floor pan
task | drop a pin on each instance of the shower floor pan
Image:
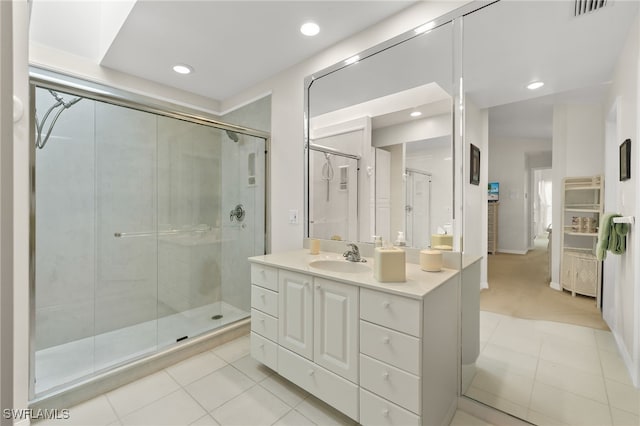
(62, 364)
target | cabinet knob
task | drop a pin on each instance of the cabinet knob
(385, 375)
(306, 283)
(261, 346)
(386, 304)
(385, 412)
(386, 340)
(263, 272)
(263, 296)
(310, 372)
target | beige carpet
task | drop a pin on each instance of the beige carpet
(519, 287)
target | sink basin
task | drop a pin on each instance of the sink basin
(340, 266)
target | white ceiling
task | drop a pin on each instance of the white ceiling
(232, 45)
(574, 56)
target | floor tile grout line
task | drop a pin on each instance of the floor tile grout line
(112, 407)
(280, 398)
(106, 394)
(148, 404)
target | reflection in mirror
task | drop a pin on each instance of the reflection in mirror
(540, 350)
(380, 145)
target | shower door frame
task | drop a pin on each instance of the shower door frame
(42, 78)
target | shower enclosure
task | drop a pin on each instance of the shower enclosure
(142, 223)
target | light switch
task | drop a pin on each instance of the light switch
(293, 216)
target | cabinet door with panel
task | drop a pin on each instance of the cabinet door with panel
(336, 317)
(295, 323)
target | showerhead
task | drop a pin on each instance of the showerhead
(233, 136)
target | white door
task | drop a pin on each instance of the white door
(295, 329)
(336, 327)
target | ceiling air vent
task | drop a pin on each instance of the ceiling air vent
(586, 6)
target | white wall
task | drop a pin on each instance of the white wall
(21, 207)
(621, 287)
(508, 166)
(6, 209)
(578, 144)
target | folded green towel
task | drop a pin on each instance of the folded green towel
(621, 230)
(612, 236)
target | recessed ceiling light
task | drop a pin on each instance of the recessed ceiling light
(416, 114)
(535, 85)
(352, 60)
(183, 69)
(424, 28)
(310, 29)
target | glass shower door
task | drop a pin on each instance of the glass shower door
(210, 185)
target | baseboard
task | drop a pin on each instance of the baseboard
(522, 252)
(632, 369)
(484, 285)
(555, 286)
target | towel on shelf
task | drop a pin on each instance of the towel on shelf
(612, 236)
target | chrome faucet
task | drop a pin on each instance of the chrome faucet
(353, 255)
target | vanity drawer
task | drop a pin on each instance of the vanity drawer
(396, 312)
(395, 348)
(265, 325)
(264, 276)
(336, 391)
(264, 351)
(391, 383)
(378, 411)
(264, 300)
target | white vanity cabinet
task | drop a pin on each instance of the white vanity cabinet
(264, 315)
(335, 312)
(296, 319)
(382, 354)
(318, 338)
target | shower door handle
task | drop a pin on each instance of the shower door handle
(238, 212)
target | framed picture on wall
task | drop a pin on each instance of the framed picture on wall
(625, 160)
(475, 165)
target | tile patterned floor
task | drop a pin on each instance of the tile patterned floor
(550, 373)
(224, 386)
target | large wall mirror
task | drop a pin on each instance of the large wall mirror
(548, 356)
(380, 143)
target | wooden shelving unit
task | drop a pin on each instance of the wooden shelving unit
(582, 203)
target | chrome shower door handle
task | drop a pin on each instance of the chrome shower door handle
(238, 212)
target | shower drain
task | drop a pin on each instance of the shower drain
(216, 317)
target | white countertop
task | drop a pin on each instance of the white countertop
(418, 284)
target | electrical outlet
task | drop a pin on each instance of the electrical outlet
(293, 216)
